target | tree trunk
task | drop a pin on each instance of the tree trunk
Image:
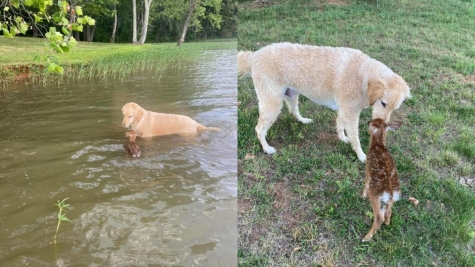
(91, 34)
(146, 14)
(114, 27)
(35, 30)
(187, 21)
(134, 30)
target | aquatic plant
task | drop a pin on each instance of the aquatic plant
(61, 216)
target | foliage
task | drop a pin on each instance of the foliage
(20, 15)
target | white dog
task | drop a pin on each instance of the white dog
(343, 79)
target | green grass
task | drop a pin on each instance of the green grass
(97, 60)
(303, 205)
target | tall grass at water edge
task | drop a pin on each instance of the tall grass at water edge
(101, 61)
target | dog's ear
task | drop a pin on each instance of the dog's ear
(376, 90)
(139, 133)
(127, 134)
(138, 113)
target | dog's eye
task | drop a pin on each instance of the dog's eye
(132, 116)
(383, 103)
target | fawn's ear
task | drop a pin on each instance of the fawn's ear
(139, 133)
(127, 134)
(373, 129)
(393, 125)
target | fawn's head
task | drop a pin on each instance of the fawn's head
(132, 135)
(378, 128)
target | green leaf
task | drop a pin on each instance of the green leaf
(65, 31)
(57, 16)
(23, 27)
(51, 68)
(6, 33)
(13, 30)
(15, 3)
(37, 18)
(72, 43)
(79, 11)
(92, 22)
(6, 8)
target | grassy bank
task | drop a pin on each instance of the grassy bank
(95, 60)
(303, 205)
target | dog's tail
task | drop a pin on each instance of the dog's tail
(213, 128)
(243, 62)
(203, 128)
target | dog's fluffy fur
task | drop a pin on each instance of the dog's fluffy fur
(154, 124)
(343, 79)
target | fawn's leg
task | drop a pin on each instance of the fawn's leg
(378, 218)
(387, 214)
(366, 183)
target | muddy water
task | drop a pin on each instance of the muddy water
(174, 206)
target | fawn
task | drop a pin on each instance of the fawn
(381, 181)
(132, 148)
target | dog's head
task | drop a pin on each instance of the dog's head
(132, 113)
(385, 96)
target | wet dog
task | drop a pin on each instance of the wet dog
(154, 124)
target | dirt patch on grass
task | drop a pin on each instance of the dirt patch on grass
(326, 137)
(282, 196)
(468, 182)
(244, 205)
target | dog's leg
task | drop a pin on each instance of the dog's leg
(270, 105)
(340, 127)
(348, 121)
(292, 100)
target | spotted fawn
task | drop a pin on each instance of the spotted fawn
(381, 182)
(132, 148)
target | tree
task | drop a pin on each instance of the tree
(143, 34)
(134, 23)
(114, 27)
(187, 21)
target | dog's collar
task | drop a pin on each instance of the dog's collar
(145, 114)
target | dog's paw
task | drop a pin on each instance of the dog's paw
(269, 150)
(362, 158)
(305, 120)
